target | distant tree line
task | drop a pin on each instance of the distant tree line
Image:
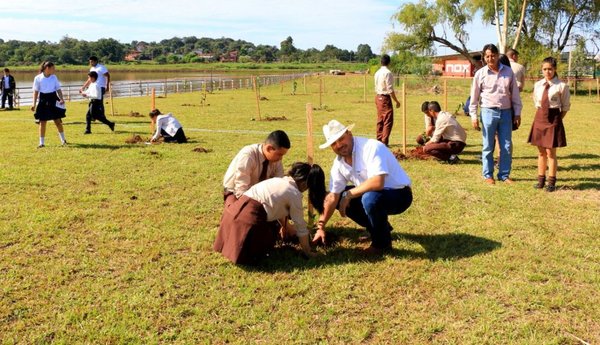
(191, 49)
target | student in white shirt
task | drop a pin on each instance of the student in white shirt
(96, 106)
(249, 225)
(168, 127)
(103, 76)
(50, 107)
(367, 184)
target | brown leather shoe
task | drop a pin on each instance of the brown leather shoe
(490, 180)
(508, 181)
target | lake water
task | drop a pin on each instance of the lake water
(25, 79)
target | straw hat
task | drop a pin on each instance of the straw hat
(333, 131)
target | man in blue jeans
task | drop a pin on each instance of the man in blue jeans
(367, 184)
(495, 89)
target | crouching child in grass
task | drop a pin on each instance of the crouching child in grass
(96, 107)
(249, 226)
(168, 127)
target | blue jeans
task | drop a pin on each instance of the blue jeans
(371, 210)
(496, 120)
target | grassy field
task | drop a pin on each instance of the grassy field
(104, 242)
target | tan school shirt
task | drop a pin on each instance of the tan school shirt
(245, 169)
(384, 81)
(448, 128)
(558, 94)
(280, 198)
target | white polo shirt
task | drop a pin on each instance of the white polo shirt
(369, 158)
(45, 84)
(101, 70)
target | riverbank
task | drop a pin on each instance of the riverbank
(215, 67)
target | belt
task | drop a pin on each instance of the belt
(495, 108)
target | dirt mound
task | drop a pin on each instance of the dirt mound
(263, 98)
(201, 149)
(275, 118)
(416, 153)
(134, 140)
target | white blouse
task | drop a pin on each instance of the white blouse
(45, 84)
(558, 94)
(168, 123)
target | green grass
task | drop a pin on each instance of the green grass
(103, 242)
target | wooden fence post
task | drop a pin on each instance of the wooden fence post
(255, 85)
(404, 118)
(110, 94)
(310, 153)
(445, 95)
(153, 100)
(320, 92)
(365, 89)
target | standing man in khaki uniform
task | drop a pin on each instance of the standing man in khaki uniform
(517, 68)
(384, 89)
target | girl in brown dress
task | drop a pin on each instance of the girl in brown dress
(552, 100)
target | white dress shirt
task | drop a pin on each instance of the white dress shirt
(369, 158)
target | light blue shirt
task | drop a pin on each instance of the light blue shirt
(369, 158)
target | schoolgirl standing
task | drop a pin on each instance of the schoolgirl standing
(46, 88)
(552, 100)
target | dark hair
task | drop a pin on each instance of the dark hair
(154, 112)
(512, 52)
(385, 60)
(93, 58)
(6, 70)
(489, 47)
(503, 59)
(46, 64)
(425, 106)
(278, 139)
(315, 181)
(93, 75)
(434, 106)
(552, 61)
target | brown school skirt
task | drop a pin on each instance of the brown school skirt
(245, 235)
(547, 129)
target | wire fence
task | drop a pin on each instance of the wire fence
(121, 89)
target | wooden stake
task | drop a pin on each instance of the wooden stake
(110, 95)
(153, 99)
(165, 90)
(365, 89)
(598, 88)
(310, 153)
(404, 118)
(445, 95)
(257, 97)
(321, 93)
(281, 83)
(305, 84)
(590, 88)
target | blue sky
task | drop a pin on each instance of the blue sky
(311, 23)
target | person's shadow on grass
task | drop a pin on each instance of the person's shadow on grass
(344, 248)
